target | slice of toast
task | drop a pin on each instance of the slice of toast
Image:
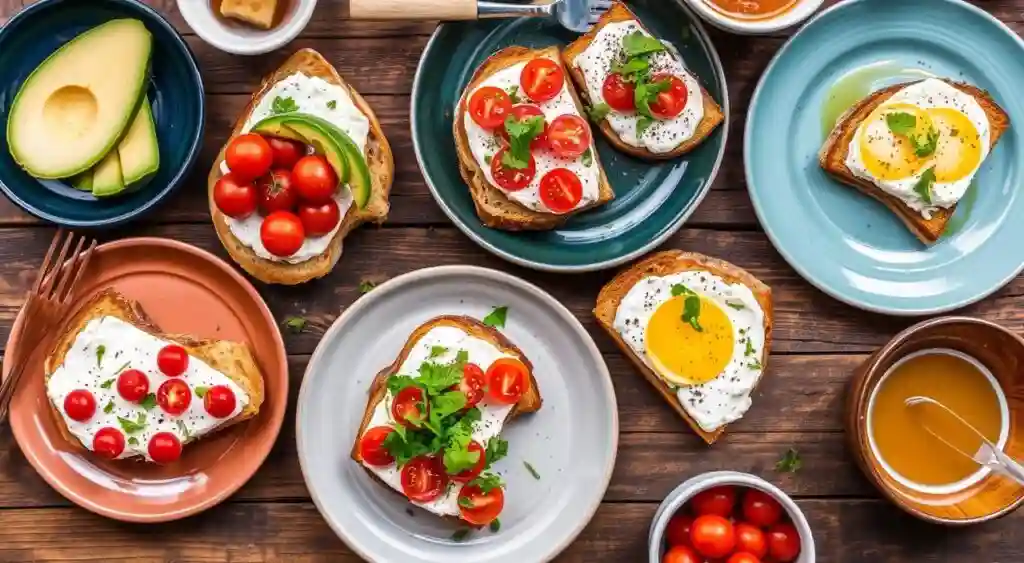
(530, 402)
(832, 156)
(713, 115)
(378, 158)
(671, 262)
(492, 206)
(234, 359)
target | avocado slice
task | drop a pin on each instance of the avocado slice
(107, 179)
(83, 181)
(138, 151)
(75, 106)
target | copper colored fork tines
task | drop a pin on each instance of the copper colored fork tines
(46, 304)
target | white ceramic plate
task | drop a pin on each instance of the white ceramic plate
(571, 441)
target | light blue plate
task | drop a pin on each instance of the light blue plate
(845, 243)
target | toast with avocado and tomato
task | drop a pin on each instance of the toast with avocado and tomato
(306, 163)
(432, 426)
(525, 149)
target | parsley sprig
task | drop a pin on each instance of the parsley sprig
(691, 306)
(520, 133)
(635, 67)
(905, 124)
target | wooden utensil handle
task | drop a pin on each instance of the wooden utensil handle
(412, 9)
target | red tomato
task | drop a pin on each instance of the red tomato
(319, 219)
(472, 384)
(760, 509)
(249, 156)
(678, 530)
(680, 554)
(512, 179)
(234, 198)
(80, 405)
(521, 112)
(480, 508)
(219, 401)
(744, 557)
(132, 385)
(751, 539)
(618, 93)
(108, 442)
(164, 447)
(286, 152)
(409, 405)
(561, 190)
(488, 107)
(712, 535)
(717, 500)
(314, 179)
(371, 446)
(423, 479)
(282, 233)
(569, 136)
(541, 79)
(470, 474)
(669, 103)
(172, 360)
(276, 192)
(507, 380)
(783, 542)
(174, 396)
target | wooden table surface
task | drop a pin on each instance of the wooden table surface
(817, 342)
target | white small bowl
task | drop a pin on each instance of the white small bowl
(241, 39)
(791, 17)
(683, 493)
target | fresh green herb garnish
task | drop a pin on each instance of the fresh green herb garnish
(520, 133)
(436, 351)
(637, 44)
(750, 348)
(588, 157)
(100, 351)
(366, 286)
(283, 105)
(495, 525)
(923, 187)
(405, 444)
(925, 145)
(332, 104)
(107, 384)
(487, 482)
(901, 123)
(531, 470)
(737, 306)
(496, 449)
(109, 408)
(148, 402)
(905, 124)
(691, 312)
(790, 462)
(201, 391)
(632, 69)
(754, 364)
(464, 501)
(646, 92)
(295, 324)
(133, 441)
(680, 289)
(132, 426)
(496, 318)
(597, 112)
(643, 123)
(513, 94)
(460, 535)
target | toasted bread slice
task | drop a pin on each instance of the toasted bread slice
(492, 206)
(832, 156)
(530, 402)
(713, 115)
(378, 158)
(662, 264)
(233, 359)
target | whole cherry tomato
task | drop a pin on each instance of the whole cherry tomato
(276, 192)
(751, 539)
(108, 442)
(80, 405)
(319, 219)
(249, 156)
(219, 401)
(783, 542)
(282, 233)
(744, 557)
(717, 500)
(314, 179)
(233, 197)
(286, 152)
(172, 360)
(678, 530)
(681, 554)
(164, 447)
(617, 93)
(132, 385)
(712, 536)
(760, 509)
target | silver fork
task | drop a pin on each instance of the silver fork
(574, 15)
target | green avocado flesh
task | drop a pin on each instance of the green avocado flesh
(138, 150)
(76, 105)
(107, 179)
(328, 140)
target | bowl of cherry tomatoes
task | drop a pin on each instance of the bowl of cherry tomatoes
(730, 517)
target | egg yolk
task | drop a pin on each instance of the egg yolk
(958, 153)
(886, 155)
(681, 353)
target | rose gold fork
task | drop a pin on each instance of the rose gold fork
(45, 304)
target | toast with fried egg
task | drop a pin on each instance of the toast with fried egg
(671, 303)
(494, 206)
(603, 40)
(836, 151)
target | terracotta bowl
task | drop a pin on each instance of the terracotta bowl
(998, 349)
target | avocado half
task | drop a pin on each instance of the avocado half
(328, 140)
(75, 106)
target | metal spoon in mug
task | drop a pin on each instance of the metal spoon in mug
(948, 427)
(574, 15)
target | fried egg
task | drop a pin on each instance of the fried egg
(923, 145)
(700, 334)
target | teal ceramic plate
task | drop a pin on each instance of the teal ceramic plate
(651, 200)
(845, 243)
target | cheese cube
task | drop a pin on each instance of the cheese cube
(259, 13)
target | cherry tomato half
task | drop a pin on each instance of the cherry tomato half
(108, 442)
(371, 446)
(618, 93)
(569, 136)
(541, 79)
(488, 107)
(410, 406)
(219, 401)
(783, 542)
(512, 179)
(521, 112)
(249, 156)
(174, 396)
(678, 530)
(760, 509)
(744, 557)
(669, 103)
(507, 380)
(282, 233)
(561, 190)
(314, 179)
(276, 192)
(233, 197)
(471, 473)
(164, 447)
(286, 152)
(472, 384)
(712, 536)
(172, 360)
(751, 539)
(716, 500)
(132, 385)
(423, 479)
(480, 508)
(680, 554)
(319, 219)
(80, 405)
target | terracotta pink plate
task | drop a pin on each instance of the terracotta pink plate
(184, 290)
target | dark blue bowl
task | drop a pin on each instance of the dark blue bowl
(175, 89)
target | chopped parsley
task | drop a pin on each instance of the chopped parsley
(148, 402)
(366, 286)
(133, 441)
(496, 318)
(436, 351)
(790, 462)
(531, 470)
(513, 94)
(905, 124)
(332, 104)
(637, 44)
(901, 122)
(597, 112)
(923, 187)
(100, 351)
(109, 408)
(588, 157)
(750, 348)
(132, 426)
(737, 306)
(520, 133)
(496, 449)
(495, 525)
(283, 105)
(754, 364)
(487, 482)
(295, 324)
(691, 306)
(107, 384)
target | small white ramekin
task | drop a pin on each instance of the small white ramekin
(799, 12)
(242, 40)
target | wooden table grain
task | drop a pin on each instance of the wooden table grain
(799, 405)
